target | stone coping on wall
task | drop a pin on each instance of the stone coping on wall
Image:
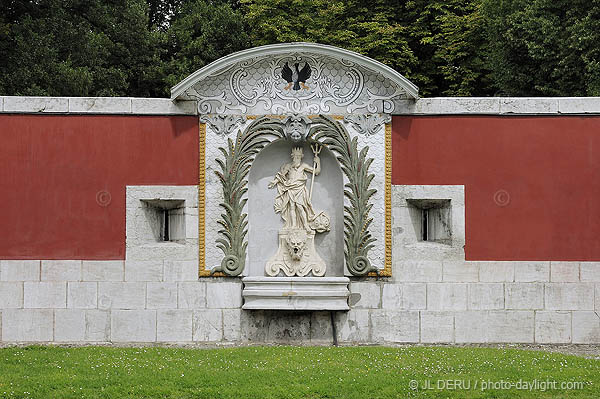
(96, 105)
(422, 106)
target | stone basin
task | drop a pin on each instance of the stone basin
(296, 293)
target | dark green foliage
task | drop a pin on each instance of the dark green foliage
(544, 47)
(367, 27)
(110, 47)
(201, 32)
(446, 47)
(433, 43)
(160, 12)
(447, 37)
(77, 48)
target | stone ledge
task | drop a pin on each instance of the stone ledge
(296, 293)
(422, 106)
(500, 106)
(96, 105)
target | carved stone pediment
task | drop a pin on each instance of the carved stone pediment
(293, 78)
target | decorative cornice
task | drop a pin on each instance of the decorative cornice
(549, 106)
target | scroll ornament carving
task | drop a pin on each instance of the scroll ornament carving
(367, 124)
(258, 86)
(235, 167)
(355, 164)
(223, 125)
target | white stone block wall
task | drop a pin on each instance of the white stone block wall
(171, 304)
(100, 301)
(496, 302)
(155, 295)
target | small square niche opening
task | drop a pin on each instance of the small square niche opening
(431, 219)
(166, 218)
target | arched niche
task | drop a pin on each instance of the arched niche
(264, 223)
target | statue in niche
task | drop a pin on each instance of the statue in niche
(296, 255)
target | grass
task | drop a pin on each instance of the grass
(286, 372)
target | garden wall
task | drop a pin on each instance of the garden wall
(522, 175)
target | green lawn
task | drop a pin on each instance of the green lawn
(289, 372)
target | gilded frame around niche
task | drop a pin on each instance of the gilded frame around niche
(203, 272)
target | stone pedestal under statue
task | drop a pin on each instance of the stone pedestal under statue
(296, 255)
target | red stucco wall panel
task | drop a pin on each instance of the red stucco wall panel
(549, 166)
(52, 169)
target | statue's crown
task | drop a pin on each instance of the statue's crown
(297, 151)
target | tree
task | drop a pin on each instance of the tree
(367, 27)
(160, 12)
(446, 47)
(201, 32)
(76, 48)
(446, 36)
(543, 47)
(434, 43)
(111, 47)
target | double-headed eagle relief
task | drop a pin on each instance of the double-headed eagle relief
(296, 255)
(296, 78)
(307, 79)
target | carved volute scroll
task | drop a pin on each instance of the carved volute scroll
(290, 84)
(355, 165)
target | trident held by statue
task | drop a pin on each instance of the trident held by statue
(316, 149)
